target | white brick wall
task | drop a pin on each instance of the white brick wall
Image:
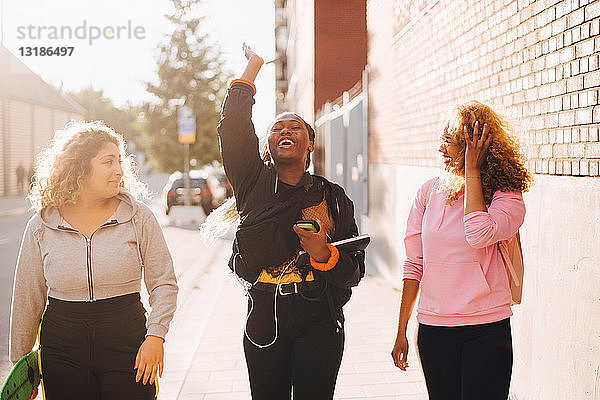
(536, 61)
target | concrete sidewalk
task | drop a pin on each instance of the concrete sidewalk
(204, 357)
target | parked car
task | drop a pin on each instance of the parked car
(225, 182)
(219, 186)
(201, 195)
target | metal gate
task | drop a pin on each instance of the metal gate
(342, 139)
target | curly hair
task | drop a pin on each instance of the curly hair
(504, 165)
(61, 168)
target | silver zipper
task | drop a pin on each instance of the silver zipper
(89, 258)
(89, 268)
(88, 247)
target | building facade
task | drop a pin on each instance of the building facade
(321, 49)
(537, 62)
(30, 112)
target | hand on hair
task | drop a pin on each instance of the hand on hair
(476, 147)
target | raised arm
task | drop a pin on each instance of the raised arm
(486, 226)
(239, 144)
(500, 221)
(475, 152)
(255, 63)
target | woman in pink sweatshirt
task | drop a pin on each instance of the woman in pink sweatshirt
(464, 338)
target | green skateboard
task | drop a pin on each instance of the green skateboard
(23, 378)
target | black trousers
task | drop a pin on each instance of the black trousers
(305, 358)
(88, 349)
(466, 362)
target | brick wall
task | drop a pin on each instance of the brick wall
(535, 61)
(340, 47)
(538, 63)
(3, 140)
(326, 51)
(383, 102)
(300, 58)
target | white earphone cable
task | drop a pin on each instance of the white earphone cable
(246, 286)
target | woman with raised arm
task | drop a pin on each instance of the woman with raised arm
(294, 335)
(452, 257)
(83, 257)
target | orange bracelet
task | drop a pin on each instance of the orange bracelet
(246, 81)
(333, 259)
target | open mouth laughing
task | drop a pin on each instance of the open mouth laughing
(285, 143)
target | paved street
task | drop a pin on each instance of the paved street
(204, 357)
(11, 230)
(13, 218)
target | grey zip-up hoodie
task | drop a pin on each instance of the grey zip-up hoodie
(56, 260)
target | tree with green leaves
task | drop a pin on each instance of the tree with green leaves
(189, 70)
(98, 107)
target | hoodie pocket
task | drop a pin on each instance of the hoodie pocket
(449, 288)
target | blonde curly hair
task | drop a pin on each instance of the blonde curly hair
(62, 168)
(504, 166)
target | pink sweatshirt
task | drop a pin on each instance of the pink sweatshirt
(456, 258)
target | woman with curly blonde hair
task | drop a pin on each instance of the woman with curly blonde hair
(454, 226)
(80, 265)
(61, 168)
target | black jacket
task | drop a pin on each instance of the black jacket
(256, 184)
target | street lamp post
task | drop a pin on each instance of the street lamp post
(186, 126)
(186, 175)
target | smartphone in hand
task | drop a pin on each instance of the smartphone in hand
(308, 225)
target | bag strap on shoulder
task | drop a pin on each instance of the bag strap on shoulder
(509, 260)
(430, 189)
